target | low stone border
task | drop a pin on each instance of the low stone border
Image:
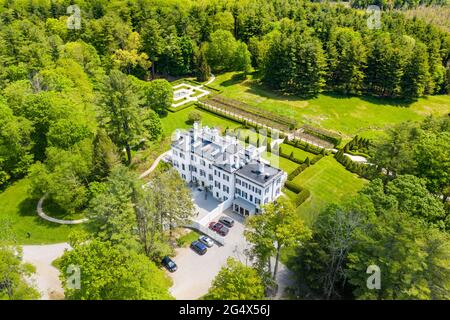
(42, 214)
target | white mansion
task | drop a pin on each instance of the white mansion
(234, 174)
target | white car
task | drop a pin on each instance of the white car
(206, 241)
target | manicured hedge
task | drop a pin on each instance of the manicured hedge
(363, 170)
(323, 134)
(293, 186)
(306, 146)
(301, 197)
(297, 171)
(182, 107)
(302, 194)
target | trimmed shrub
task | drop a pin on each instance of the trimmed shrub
(301, 197)
(294, 187)
(194, 116)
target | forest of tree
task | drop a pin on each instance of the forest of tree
(77, 104)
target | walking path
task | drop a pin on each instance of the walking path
(155, 164)
(42, 214)
(191, 89)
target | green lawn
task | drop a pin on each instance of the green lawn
(279, 162)
(177, 120)
(298, 153)
(189, 237)
(329, 182)
(348, 116)
(20, 210)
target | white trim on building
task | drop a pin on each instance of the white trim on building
(226, 168)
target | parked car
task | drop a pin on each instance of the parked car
(219, 228)
(169, 264)
(227, 221)
(215, 225)
(199, 247)
(222, 230)
(212, 225)
(206, 241)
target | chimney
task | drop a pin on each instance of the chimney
(177, 135)
(196, 130)
(236, 161)
(214, 134)
(261, 166)
(231, 159)
(186, 142)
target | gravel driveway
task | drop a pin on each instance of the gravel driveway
(46, 277)
(195, 273)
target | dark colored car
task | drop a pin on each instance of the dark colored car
(169, 264)
(222, 230)
(199, 247)
(227, 221)
(212, 225)
(215, 226)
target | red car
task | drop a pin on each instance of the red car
(219, 228)
(212, 225)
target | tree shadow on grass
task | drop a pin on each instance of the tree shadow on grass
(392, 102)
(27, 208)
(235, 79)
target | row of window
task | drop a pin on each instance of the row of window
(224, 176)
(248, 186)
(224, 187)
(249, 197)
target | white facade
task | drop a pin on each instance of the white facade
(226, 168)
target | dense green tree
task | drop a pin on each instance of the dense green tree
(401, 247)
(415, 75)
(65, 133)
(320, 264)
(384, 66)
(235, 281)
(110, 272)
(224, 53)
(121, 113)
(158, 96)
(276, 228)
(13, 285)
(418, 149)
(105, 156)
(152, 42)
(203, 70)
(295, 64)
(347, 56)
(111, 212)
(64, 176)
(15, 144)
(152, 123)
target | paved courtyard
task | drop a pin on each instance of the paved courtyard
(195, 273)
(204, 202)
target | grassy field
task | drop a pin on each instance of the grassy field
(279, 162)
(366, 116)
(328, 182)
(178, 120)
(298, 153)
(18, 209)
